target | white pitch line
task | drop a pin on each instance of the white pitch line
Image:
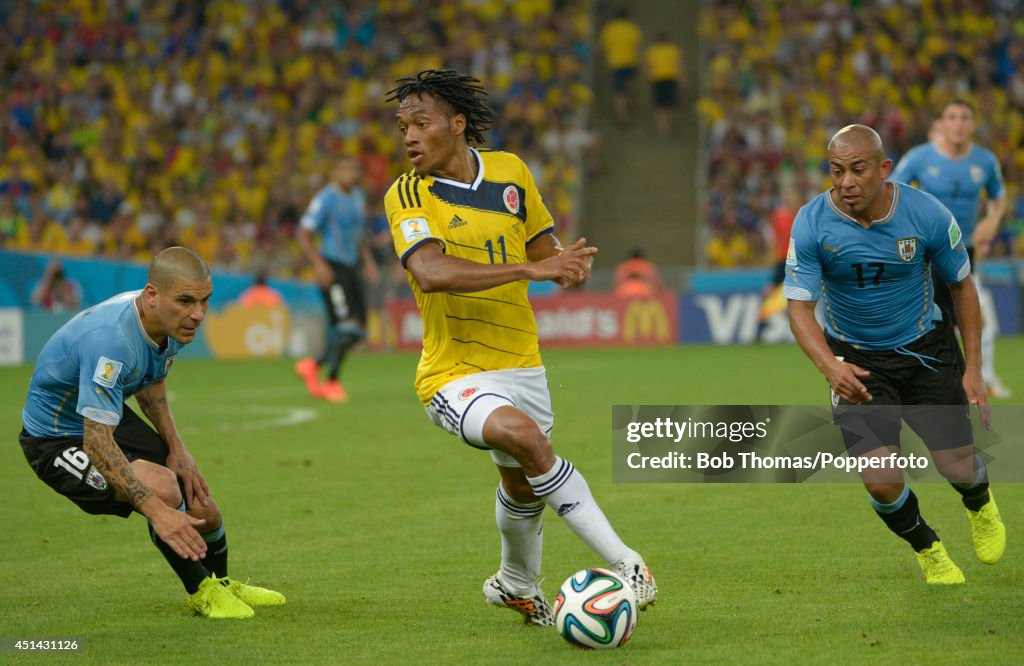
(289, 416)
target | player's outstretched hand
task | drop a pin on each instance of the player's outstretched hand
(178, 530)
(180, 462)
(977, 394)
(574, 264)
(324, 274)
(845, 380)
(983, 235)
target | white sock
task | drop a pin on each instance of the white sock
(566, 491)
(989, 330)
(522, 538)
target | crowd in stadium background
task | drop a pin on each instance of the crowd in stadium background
(128, 126)
(782, 77)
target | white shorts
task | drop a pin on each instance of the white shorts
(461, 407)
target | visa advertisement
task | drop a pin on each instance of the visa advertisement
(730, 307)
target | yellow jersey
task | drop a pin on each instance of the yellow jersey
(490, 220)
(620, 39)
(663, 62)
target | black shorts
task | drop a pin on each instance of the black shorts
(922, 387)
(943, 296)
(621, 78)
(664, 93)
(345, 299)
(61, 462)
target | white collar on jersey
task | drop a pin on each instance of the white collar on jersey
(851, 218)
(138, 318)
(476, 182)
(950, 156)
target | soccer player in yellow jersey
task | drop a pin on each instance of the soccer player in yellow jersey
(664, 60)
(471, 231)
(621, 39)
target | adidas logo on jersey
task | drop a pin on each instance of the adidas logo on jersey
(457, 222)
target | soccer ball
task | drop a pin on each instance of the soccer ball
(595, 609)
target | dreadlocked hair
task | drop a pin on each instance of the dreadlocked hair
(458, 91)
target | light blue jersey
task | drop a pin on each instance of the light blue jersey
(874, 284)
(339, 218)
(90, 366)
(957, 183)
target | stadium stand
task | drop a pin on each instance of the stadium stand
(128, 126)
(781, 77)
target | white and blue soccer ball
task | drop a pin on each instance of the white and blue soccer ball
(595, 609)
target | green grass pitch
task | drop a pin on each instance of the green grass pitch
(379, 528)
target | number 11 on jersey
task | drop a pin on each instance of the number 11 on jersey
(490, 249)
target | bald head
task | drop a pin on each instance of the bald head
(859, 168)
(176, 263)
(857, 138)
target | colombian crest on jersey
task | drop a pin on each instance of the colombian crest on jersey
(907, 248)
(511, 198)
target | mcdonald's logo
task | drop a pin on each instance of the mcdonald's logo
(646, 321)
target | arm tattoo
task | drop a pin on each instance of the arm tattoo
(104, 453)
(153, 407)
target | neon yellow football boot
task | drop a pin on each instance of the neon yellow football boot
(937, 567)
(213, 599)
(988, 531)
(252, 595)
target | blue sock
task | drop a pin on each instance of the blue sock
(975, 495)
(904, 518)
(216, 559)
(191, 573)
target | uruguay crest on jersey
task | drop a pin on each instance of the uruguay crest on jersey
(907, 248)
